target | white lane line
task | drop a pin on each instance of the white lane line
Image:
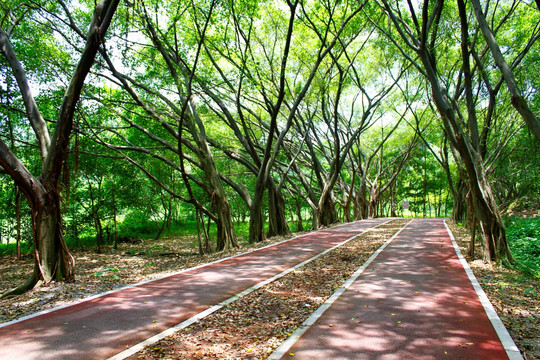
(509, 346)
(140, 346)
(79, 301)
(291, 340)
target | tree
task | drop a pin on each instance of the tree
(52, 257)
(518, 101)
(421, 33)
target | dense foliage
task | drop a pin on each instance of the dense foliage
(246, 119)
(524, 238)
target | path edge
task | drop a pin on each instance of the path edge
(167, 332)
(295, 336)
(504, 336)
(143, 282)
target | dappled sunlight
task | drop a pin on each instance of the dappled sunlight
(413, 302)
(105, 325)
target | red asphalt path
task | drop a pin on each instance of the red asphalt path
(108, 324)
(414, 301)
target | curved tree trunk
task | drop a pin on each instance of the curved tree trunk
(226, 237)
(485, 207)
(52, 258)
(486, 210)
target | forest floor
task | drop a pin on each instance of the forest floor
(515, 297)
(96, 273)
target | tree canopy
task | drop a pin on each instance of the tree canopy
(269, 113)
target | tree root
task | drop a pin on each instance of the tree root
(29, 284)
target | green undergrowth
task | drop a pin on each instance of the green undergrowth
(147, 231)
(524, 239)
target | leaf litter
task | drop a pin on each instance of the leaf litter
(253, 326)
(515, 297)
(112, 269)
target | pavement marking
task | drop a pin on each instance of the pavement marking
(291, 340)
(509, 346)
(140, 346)
(79, 301)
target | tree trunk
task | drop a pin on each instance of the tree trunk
(277, 220)
(226, 238)
(115, 236)
(373, 202)
(256, 224)
(52, 258)
(256, 221)
(314, 218)
(392, 202)
(18, 220)
(517, 100)
(361, 203)
(472, 242)
(486, 210)
(99, 232)
(299, 223)
(347, 210)
(327, 214)
(458, 208)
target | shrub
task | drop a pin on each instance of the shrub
(524, 240)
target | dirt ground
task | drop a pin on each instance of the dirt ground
(515, 297)
(98, 273)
